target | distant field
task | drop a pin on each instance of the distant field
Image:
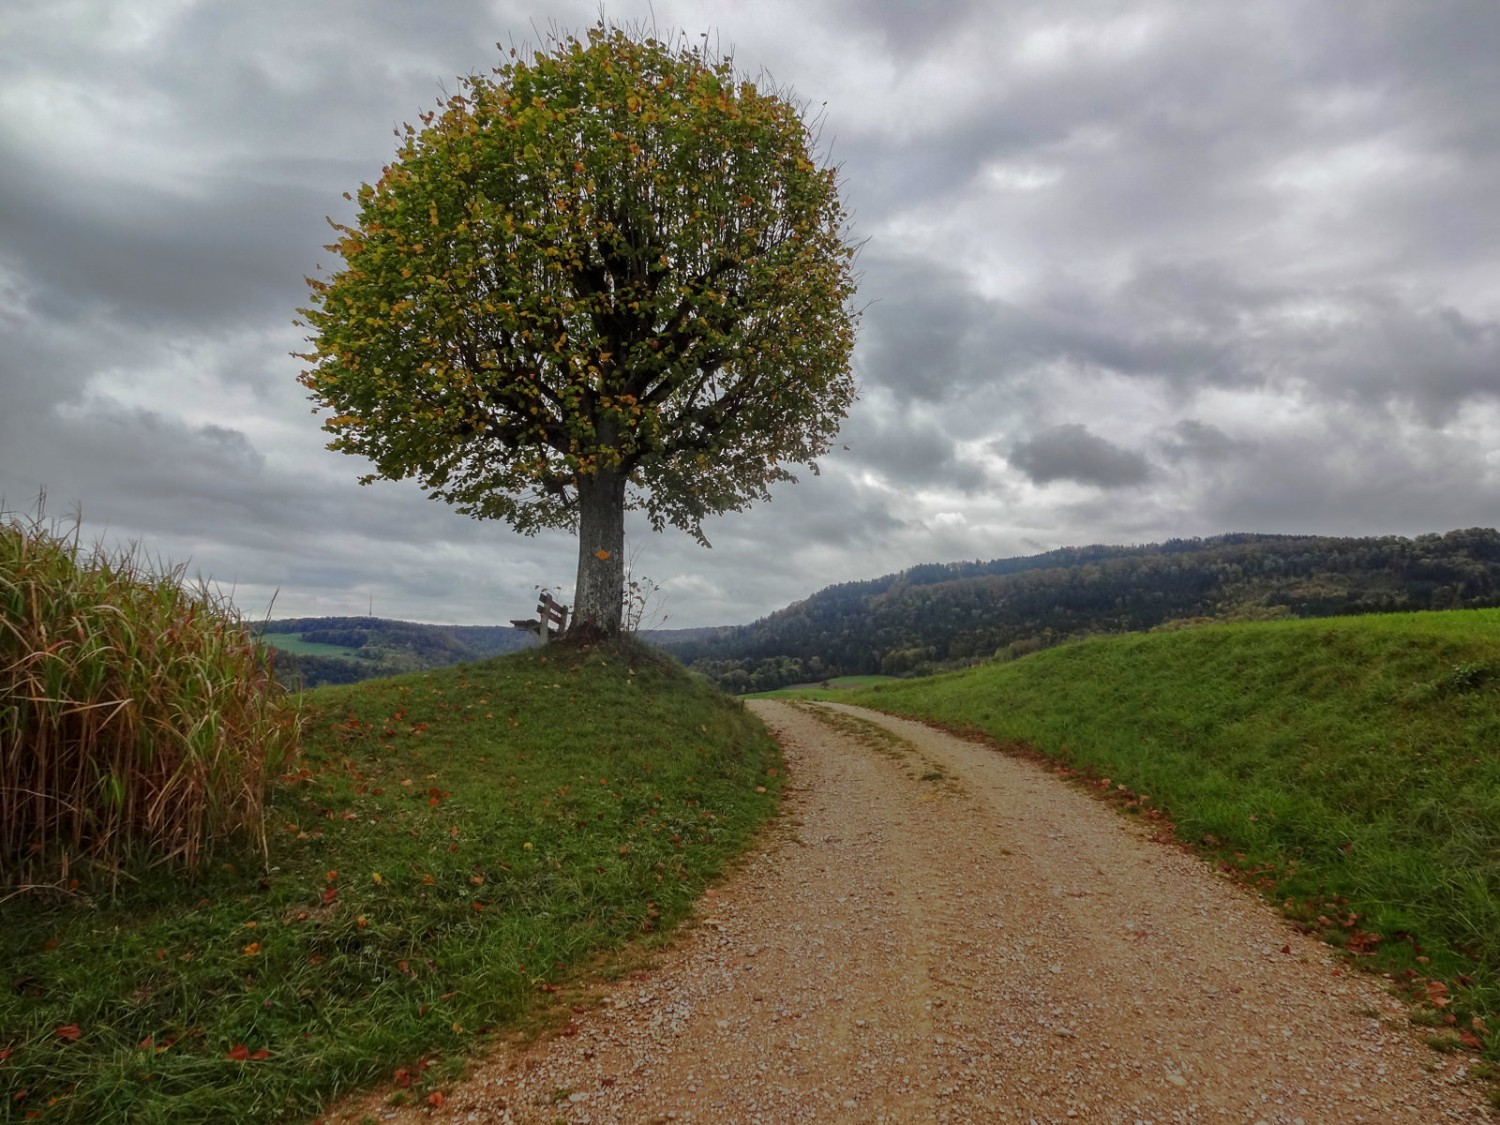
(293, 643)
(1349, 767)
(822, 688)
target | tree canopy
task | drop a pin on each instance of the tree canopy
(613, 273)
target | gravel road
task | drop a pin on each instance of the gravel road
(935, 931)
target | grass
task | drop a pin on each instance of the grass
(1348, 767)
(138, 716)
(452, 847)
(294, 644)
(825, 689)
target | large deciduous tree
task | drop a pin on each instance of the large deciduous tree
(613, 274)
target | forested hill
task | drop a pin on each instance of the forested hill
(339, 650)
(946, 615)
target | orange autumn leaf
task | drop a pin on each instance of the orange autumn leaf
(238, 1053)
(436, 1099)
(69, 1032)
(252, 950)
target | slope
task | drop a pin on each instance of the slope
(943, 616)
(1349, 767)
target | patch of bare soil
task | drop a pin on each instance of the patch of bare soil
(937, 932)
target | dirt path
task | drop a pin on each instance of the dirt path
(936, 932)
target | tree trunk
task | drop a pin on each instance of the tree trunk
(599, 596)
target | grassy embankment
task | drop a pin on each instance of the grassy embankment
(452, 846)
(836, 688)
(1349, 767)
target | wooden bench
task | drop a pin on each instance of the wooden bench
(549, 613)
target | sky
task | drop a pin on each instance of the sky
(1131, 270)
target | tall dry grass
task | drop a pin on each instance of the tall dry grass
(139, 718)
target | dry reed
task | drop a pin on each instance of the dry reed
(138, 716)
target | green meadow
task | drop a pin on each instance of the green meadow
(294, 644)
(1348, 767)
(835, 688)
(450, 850)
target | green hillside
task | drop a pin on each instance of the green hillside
(949, 615)
(452, 849)
(319, 651)
(1348, 767)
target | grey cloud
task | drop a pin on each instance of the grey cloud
(159, 260)
(1387, 349)
(908, 450)
(1352, 479)
(910, 28)
(1277, 207)
(929, 336)
(1071, 452)
(1194, 440)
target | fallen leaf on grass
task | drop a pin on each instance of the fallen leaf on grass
(69, 1032)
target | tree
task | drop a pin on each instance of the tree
(611, 275)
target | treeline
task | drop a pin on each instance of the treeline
(940, 616)
(382, 647)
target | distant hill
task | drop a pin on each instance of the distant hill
(313, 651)
(947, 615)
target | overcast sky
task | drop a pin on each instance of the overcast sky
(1133, 270)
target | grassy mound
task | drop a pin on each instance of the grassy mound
(1351, 766)
(451, 846)
(138, 718)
